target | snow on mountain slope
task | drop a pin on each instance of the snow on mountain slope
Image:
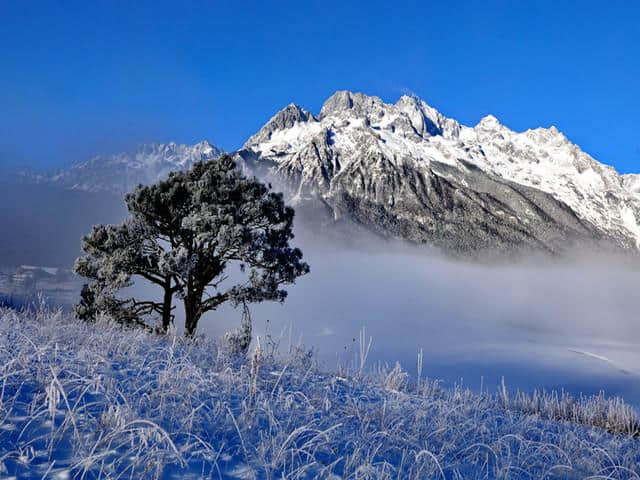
(544, 158)
(406, 170)
(119, 173)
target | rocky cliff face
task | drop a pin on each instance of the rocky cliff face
(404, 170)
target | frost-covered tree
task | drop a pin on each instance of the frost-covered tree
(115, 253)
(183, 235)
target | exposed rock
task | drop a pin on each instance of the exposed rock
(406, 171)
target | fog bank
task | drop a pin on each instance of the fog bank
(540, 322)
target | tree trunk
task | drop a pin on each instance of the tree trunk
(167, 320)
(191, 314)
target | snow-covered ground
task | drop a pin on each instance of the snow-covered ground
(96, 401)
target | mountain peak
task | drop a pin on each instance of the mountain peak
(411, 99)
(344, 100)
(546, 135)
(285, 118)
(489, 122)
(205, 147)
(426, 119)
(341, 100)
(413, 102)
(294, 111)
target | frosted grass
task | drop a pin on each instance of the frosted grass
(98, 401)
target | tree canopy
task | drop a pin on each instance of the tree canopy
(183, 235)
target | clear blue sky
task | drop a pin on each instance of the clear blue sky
(79, 79)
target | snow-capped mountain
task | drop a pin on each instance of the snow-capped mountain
(405, 170)
(119, 173)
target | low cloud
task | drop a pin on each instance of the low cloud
(525, 321)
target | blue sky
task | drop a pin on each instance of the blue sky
(80, 78)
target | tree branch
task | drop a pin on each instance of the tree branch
(212, 302)
(152, 278)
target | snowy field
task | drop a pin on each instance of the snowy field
(569, 324)
(96, 401)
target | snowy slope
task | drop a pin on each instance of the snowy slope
(421, 170)
(90, 401)
(119, 173)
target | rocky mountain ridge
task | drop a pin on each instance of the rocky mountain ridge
(405, 170)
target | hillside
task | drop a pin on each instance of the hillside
(97, 401)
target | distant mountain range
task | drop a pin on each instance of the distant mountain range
(120, 173)
(406, 171)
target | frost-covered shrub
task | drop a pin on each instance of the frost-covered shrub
(238, 340)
